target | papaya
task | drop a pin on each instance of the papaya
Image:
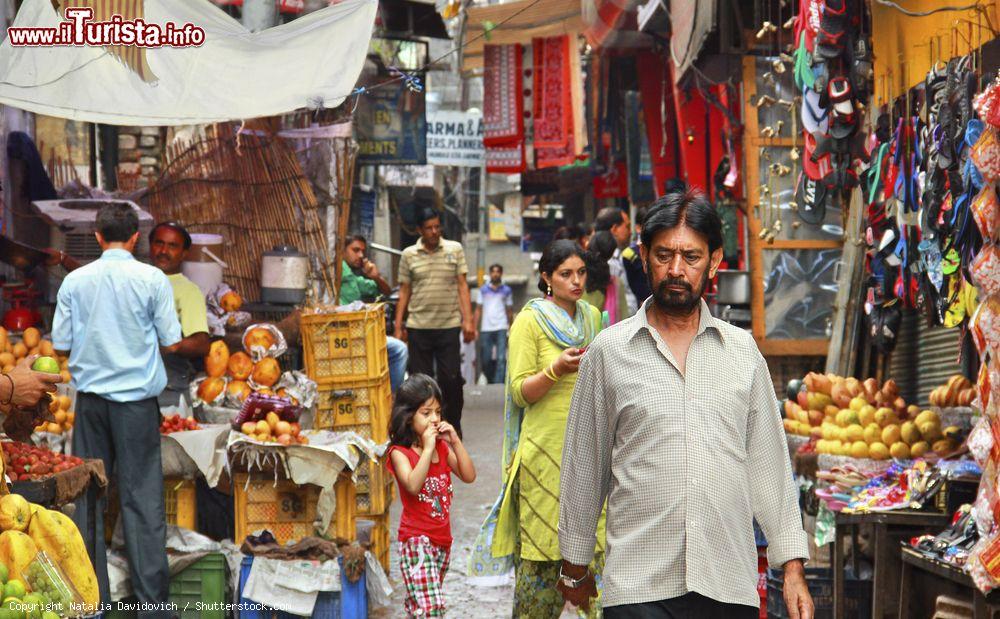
(55, 533)
(17, 551)
(217, 359)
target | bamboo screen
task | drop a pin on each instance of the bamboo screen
(253, 193)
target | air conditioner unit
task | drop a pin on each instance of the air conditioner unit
(73, 223)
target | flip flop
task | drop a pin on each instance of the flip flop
(811, 196)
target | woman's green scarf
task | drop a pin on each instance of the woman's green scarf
(577, 332)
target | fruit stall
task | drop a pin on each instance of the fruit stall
(298, 452)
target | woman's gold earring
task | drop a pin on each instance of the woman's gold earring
(550, 290)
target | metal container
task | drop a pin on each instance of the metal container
(284, 275)
(734, 288)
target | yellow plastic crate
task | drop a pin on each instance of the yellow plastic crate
(374, 489)
(378, 538)
(346, 516)
(179, 502)
(363, 407)
(286, 509)
(344, 347)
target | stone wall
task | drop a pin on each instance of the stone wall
(140, 155)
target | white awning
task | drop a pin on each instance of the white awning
(311, 62)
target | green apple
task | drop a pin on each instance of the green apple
(14, 589)
(46, 364)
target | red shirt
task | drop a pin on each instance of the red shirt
(427, 513)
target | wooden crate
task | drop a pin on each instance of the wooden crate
(179, 502)
(379, 538)
(363, 408)
(374, 489)
(345, 347)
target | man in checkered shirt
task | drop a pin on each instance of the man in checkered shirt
(674, 423)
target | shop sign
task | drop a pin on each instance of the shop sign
(455, 139)
(498, 228)
(512, 223)
(408, 176)
(389, 125)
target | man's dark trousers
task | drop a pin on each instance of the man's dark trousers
(126, 436)
(440, 349)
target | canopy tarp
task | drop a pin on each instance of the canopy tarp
(311, 62)
(517, 22)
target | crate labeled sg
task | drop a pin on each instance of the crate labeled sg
(285, 509)
(344, 347)
(362, 407)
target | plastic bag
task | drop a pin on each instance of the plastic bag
(258, 406)
(298, 386)
(980, 441)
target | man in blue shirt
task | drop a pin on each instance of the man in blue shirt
(494, 314)
(113, 318)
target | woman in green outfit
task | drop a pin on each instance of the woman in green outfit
(547, 341)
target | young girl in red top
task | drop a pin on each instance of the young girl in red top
(424, 451)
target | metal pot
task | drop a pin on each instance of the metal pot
(284, 275)
(734, 288)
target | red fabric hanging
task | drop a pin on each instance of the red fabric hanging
(503, 109)
(554, 131)
(658, 109)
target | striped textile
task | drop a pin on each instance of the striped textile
(133, 56)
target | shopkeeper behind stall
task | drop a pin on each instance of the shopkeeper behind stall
(169, 243)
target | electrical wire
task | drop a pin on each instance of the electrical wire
(889, 3)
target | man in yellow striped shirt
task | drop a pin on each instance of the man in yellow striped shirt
(434, 309)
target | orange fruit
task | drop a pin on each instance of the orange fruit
(31, 337)
(60, 416)
(64, 402)
(20, 350)
(54, 428)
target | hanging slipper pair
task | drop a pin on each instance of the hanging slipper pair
(831, 36)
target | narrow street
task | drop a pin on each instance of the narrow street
(482, 423)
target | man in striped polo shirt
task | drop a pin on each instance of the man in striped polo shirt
(434, 309)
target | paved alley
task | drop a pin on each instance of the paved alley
(482, 423)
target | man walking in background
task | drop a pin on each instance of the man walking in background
(616, 221)
(632, 262)
(361, 281)
(435, 310)
(494, 313)
(113, 318)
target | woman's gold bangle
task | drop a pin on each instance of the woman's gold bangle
(550, 373)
